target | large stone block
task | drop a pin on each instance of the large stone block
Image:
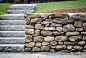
(61, 38)
(29, 31)
(69, 47)
(79, 29)
(38, 44)
(59, 28)
(45, 48)
(83, 33)
(60, 47)
(45, 43)
(48, 38)
(46, 33)
(78, 24)
(72, 33)
(78, 47)
(29, 45)
(28, 38)
(53, 43)
(36, 49)
(38, 26)
(38, 39)
(81, 43)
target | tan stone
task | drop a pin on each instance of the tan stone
(29, 45)
(60, 43)
(38, 39)
(46, 33)
(38, 44)
(59, 28)
(38, 26)
(72, 33)
(61, 38)
(29, 31)
(48, 38)
(49, 28)
(37, 31)
(30, 15)
(28, 38)
(69, 47)
(29, 26)
(36, 20)
(81, 43)
(38, 15)
(45, 43)
(58, 33)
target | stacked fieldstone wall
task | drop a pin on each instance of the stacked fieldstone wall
(55, 32)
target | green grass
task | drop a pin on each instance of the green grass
(4, 7)
(44, 7)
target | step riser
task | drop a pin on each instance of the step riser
(11, 48)
(12, 28)
(19, 11)
(12, 34)
(12, 17)
(12, 22)
(12, 41)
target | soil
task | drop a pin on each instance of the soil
(83, 10)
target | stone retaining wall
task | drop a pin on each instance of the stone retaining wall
(55, 32)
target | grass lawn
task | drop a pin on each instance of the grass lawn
(44, 7)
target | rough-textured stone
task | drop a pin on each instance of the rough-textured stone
(29, 26)
(78, 24)
(60, 43)
(84, 38)
(72, 33)
(37, 31)
(60, 47)
(52, 50)
(75, 38)
(83, 33)
(78, 47)
(79, 29)
(36, 49)
(38, 26)
(27, 49)
(44, 16)
(68, 27)
(55, 25)
(36, 20)
(48, 38)
(38, 39)
(53, 43)
(59, 28)
(53, 47)
(36, 35)
(50, 28)
(29, 31)
(30, 15)
(81, 43)
(68, 43)
(29, 45)
(69, 47)
(45, 48)
(28, 38)
(45, 43)
(84, 24)
(85, 47)
(38, 44)
(46, 33)
(61, 38)
(45, 22)
(58, 33)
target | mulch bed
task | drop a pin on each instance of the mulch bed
(83, 10)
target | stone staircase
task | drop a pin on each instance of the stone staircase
(12, 34)
(21, 8)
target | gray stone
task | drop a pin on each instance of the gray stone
(12, 27)
(38, 39)
(28, 38)
(61, 38)
(29, 31)
(36, 49)
(68, 43)
(75, 38)
(12, 33)
(45, 43)
(53, 43)
(46, 33)
(72, 33)
(58, 33)
(81, 43)
(36, 20)
(52, 50)
(84, 38)
(60, 47)
(78, 47)
(83, 33)
(55, 25)
(48, 38)
(44, 16)
(12, 22)
(79, 29)
(60, 43)
(12, 47)
(78, 24)
(45, 48)
(85, 47)
(27, 49)
(84, 24)
(38, 44)
(68, 27)
(45, 22)
(29, 45)
(12, 40)
(38, 26)
(53, 47)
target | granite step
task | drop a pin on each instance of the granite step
(12, 17)
(12, 22)
(11, 47)
(12, 33)
(12, 27)
(19, 11)
(12, 40)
